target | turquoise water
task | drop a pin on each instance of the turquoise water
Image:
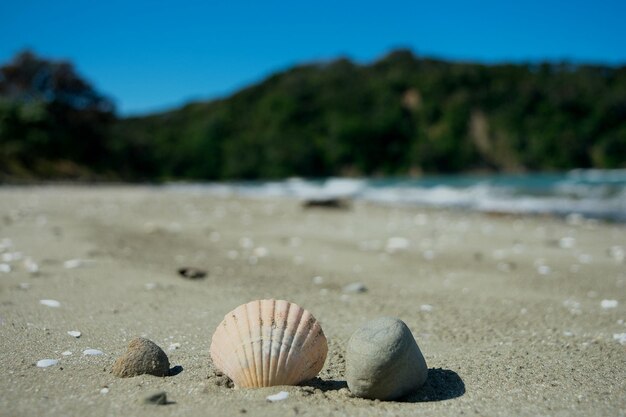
(597, 194)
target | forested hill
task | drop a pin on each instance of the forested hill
(401, 115)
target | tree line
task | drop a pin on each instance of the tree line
(401, 115)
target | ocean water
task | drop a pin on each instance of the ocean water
(598, 194)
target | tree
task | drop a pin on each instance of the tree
(52, 121)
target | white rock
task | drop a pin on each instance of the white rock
(104, 391)
(606, 304)
(5, 268)
(383, 360)
(283, 395)
(92, 352)
(50, 303)
(44, 363)
(66, 353)
(426, 308)
(174, 346)
(74, 333)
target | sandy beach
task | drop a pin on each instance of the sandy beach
(514, 315)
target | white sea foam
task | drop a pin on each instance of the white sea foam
(581, 193)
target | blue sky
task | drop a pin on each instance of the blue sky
(154, 55)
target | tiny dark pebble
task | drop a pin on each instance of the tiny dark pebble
(159, 398)
(192, 273)
(331, 203)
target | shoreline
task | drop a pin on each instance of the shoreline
(507, 310)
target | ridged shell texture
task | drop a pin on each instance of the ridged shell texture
(269, 342)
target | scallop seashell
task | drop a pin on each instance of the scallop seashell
(269, 342)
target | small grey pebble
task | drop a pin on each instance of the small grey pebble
(383, 360)
(355, 287)
(159, 398)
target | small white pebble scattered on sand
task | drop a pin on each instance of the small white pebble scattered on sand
(5, 244)
(12, 256)
(620, 337)
(426, 308)
(355, 287)
(397, 243)
(246, 243)
(6, 268)
(574, 219)
(44, 363)
(617, 253)
(174, 346)
(76, 263)
(317, 280)
(74, 333)
(50, 303)
(573, 306)
(282, 395)
(66, 353)
(606, 304)
(104, 391)
(92, 352)
(429, 255)
(31, 266)
(260, 252)
(567, 242)
(544, 270)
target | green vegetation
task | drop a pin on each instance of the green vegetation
(401, 115)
